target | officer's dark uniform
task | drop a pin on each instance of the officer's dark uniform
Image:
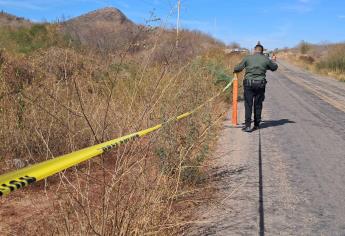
(254, 84)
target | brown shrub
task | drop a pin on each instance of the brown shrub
(16, 72)
(73, 98)
(334, 61)
(135, 188)
(306, 59)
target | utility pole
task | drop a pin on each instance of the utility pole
(178, 22)
(215, 29)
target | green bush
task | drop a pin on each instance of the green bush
(28, 40)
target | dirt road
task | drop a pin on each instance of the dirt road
(289, 177)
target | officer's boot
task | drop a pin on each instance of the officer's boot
(256, 125)
(247, 128)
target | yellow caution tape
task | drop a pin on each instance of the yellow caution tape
(23, 177)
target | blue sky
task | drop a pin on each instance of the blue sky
(275, 23)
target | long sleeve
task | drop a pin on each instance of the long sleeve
(241, 66)
(272, 66)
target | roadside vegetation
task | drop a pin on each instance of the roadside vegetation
(58, 95)
(326, 59)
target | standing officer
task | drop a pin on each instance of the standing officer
(254, 84)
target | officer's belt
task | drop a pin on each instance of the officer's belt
(250, 82)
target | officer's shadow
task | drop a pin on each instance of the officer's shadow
(273, 123)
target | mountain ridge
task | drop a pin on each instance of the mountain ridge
(107, 28)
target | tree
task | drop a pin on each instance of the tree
(304, 47)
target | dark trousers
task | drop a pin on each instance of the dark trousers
(253, 95)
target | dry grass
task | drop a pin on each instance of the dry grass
(334, 62)
(57, 98)
(322, 59)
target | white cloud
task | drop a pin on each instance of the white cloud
(299, 6)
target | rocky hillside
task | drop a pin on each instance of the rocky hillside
(106, 28)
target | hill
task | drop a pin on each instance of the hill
(9, 20)
(109, 30)
(70, 85)
(106, 28)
